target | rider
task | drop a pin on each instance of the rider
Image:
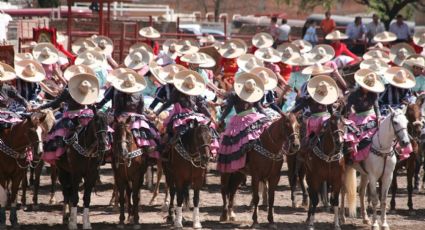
(270, 82)
(149, 33)
(230, 51)
(106, 47)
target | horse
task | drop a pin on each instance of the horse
(379, 164)
(129, 165)
(186, 166)
(414, 129)
(324, 162)
(296, 174)
(264, 163)
(83, 154)
(17, 144)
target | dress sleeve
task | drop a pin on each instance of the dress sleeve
(109, 94)
(173, 98)
(56, 103)
(13, 93)
(229, 105)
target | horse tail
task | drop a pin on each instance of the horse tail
(3, 197)
(351, 191)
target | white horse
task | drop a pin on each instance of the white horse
(380, 164)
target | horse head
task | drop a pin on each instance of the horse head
(399, 123)
(123, 138)
(202, 138)
(335, 126)
(291, 128)
(37, 124)
(413, 115)
(100, 120)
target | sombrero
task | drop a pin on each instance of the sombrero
(317, 69)
(369, 80)
(323, 89)
(7, 72)
(375, 64)
(210, 63)
(379, 46)
(46, 53)
(415, 60)
(336, 35)
(268, 55)
(30, 71)
(23, 56)
(169, 47)
(137, 59)
(140, 45)
(400, 77)
(232, 48)
(187, 47)
(322, 53)
(165, 74)
(84, 88)
(267, 75)
(289, 51)
(105, 44)
(303, 45)
(247, 62)
(82, 45)
(77, 69)
(419, 38)
(300, 61)
(129, 82)
(149, 32)
(209, 39)
(377, 54)
(249, 87)
(400, 52)
(198, 58)
(262, 40)
(116, 72)
(385, 37)
(90, 58)
(189, 82)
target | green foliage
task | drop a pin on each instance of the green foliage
(48, 3)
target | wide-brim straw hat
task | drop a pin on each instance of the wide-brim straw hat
(303, 45)
(116, 72)
(322, 53)
(267, 75)
(90, 58)
(187, 47)
(377, 54)
(400, 52)
(419, 38)
(189, 82)
(165, 74)
(336, 35)
(129, 82)
(268, 55)
(141, 45)
(249, 87)
(45, 53)
(317, 69)
(82, 45)
(369, 80)
(303, 60)
(210, 63)
(77, 69)
(379, 46)
(262, 40)
(105, 44)
(400, 77)
(84, 88)
(7, 72)
(166, 48)
(138, 59)
(209, 39)
(247, 62)
(149, 32)
(199, 58)
(323, 89)
(23, 56)
(415, 60)
(232, 48)
(288, 52)
(385, 37)
(375, 64)
(30, 71)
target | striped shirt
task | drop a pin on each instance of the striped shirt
(28, 90)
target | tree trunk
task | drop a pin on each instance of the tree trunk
(217, 10)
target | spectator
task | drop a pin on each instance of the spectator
(310, 34)
(373, 28)
(355, 32)
(401, 29)
(273, 27)
(328, 24)
(283, 33)
(305, 27)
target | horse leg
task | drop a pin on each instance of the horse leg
(186, 200)
(235, 180)
(362, 193)
(89, 183)
(394, 187)
(120, 193)
(3, 202)
(301, 178)
(335, 203)
(272, 184)
(24, 191)
(178, 221)
(374, 197)
(342, 209)
(224, 178)
(292, 177)
(53, 178)
(136, 199)
(314, 201)
(171, 214)
(158, 181)
(265, 194)
(129, 204)
(385, 185)
(196, 218)
(325, 196)
(13, 197)
(411, 168)
(36, 183)
(255, 198)
(65, 181)
(75, 181)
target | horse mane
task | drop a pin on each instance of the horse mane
(49, 120)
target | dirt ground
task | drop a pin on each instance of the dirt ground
(105, 217)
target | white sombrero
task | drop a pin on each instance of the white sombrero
(232, 48)
(323, 89)
(90, 58)
(377, 54)
(379, 46)
(300, 61)
(187, 47)
(336, 35)
(247, 62)
(419, 38)
(77, 69)
(249, 87)
(262, 40)
(400, 52)
(7, 72)
(288, 52)
(82, 45)
(45, 53)
(385, 37)
(141, 45)
(268, 55)
(189, 82)
(129, 82)
(137, 59)
(23, 56)
(400, 77)
(105, 44)
(303, 45)
(149, 32)
(84, 88)
(198, 58)
(369, 80)
(210, 61)
(375, 64)
(322, 53)
(267, 75)
(169, 47)
(116, 72)
(209, 39)
(317, 69)
(165, 74)
(30, 71)
(415, 60)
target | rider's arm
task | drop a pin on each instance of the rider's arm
(259, 108)
(229, 105)
(57, 102)
(202, 106)
(299, 105)
(109, 94)
(376, 108)
(173, 98)
(12, 93)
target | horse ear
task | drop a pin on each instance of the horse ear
(93, 108)
(128, 120)
(390, 109)
(195, 123)
(404, 109)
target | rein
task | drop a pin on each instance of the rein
(198, 161)
(74, 142)
(336, 154)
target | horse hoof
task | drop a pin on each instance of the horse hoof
(337, 228)
(385, 227)
(26, 208)
(392, 212)
(87, 226)
(3, 227)
(16, 226)
(273, 226)
(263, 207)
(375, 227)
(255, 226)
(342, 219)
(412, 213)
(72, 226)
(165, 207)
(52, 201)
(178, 225)
(223, 217)
(120, 226)
(136, 226)
(197, 225)
(310, 227)
(367, 222)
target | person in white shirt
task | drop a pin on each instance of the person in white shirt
(401, 29)
(283, 32)
(356, 31)
(374, 27)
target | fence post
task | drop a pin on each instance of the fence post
(178, 28)
(122, 41)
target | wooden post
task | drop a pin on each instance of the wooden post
(69, 24)
(101, 25)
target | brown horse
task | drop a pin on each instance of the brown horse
(16, 143)
(324, 162)
(413, 115)
(296, 174)
(84, 152)
(264, 163)
(129, 165)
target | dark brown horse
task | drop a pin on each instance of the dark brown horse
(16, 143)
(296, 175)
(129, 165)
(413, 115)
(324, 163)
(264, 163)
(84, 152)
